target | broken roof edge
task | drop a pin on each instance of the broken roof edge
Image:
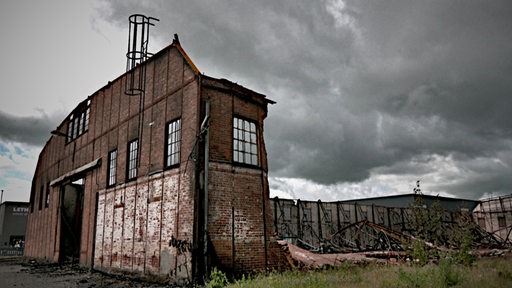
(176, 43)
(230, 85)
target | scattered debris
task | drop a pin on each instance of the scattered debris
(302, 258)
(25, 272)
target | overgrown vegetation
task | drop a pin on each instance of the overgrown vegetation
(463, 240)
(217, 279)
(452, 266)
(440, 254)
(429, 227)
(488, 272)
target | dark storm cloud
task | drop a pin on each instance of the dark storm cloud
(362, 87)
(31, 130)
(445, 58)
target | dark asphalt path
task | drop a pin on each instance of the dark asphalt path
(21, 272)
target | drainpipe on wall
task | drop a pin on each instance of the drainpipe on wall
(205, 128)
(263, 198)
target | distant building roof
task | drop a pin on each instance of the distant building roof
(405, 200)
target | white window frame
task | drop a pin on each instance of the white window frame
(245, 142)
(173, 143)
(131, 163)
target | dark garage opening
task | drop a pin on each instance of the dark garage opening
(71, 222)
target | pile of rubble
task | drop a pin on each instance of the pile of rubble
(386, 246)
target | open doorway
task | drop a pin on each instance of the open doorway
(71, 221)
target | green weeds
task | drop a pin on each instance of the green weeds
(490, 272)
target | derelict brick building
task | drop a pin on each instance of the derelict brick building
(121, 185)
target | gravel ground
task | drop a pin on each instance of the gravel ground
(22, 272)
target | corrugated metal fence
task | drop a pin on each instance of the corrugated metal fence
(11, 251)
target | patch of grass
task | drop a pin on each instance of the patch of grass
(445, 274)
(489, 272)
(331, 277)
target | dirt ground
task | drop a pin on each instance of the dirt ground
(22, 272)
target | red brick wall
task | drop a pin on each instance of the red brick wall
(137, 220)
(238, 194)
(114, 121)
(150, 225)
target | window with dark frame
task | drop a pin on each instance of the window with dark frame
(172, 149)
(41, 192)
(75, 127)
(112, 166)
(86, 116)
(78, 122)
(245, 143)
(81, 124)
(132, 159)
(69, 132)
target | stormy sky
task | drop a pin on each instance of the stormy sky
(371, 95)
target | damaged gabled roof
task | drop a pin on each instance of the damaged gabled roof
(211, 82)
(220, 83)
(176, 43)
(234, 88)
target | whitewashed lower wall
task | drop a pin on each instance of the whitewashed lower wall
(137, 221)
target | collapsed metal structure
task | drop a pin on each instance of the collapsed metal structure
(495, 216)
(339, 227)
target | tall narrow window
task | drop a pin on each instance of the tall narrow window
(87, 112)
(41, 191)
(245, 144)
(70, 129)
(132, 159)
(81, 124)
(172, 153)
(112, 165)
(75, 127)
(47, 198)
